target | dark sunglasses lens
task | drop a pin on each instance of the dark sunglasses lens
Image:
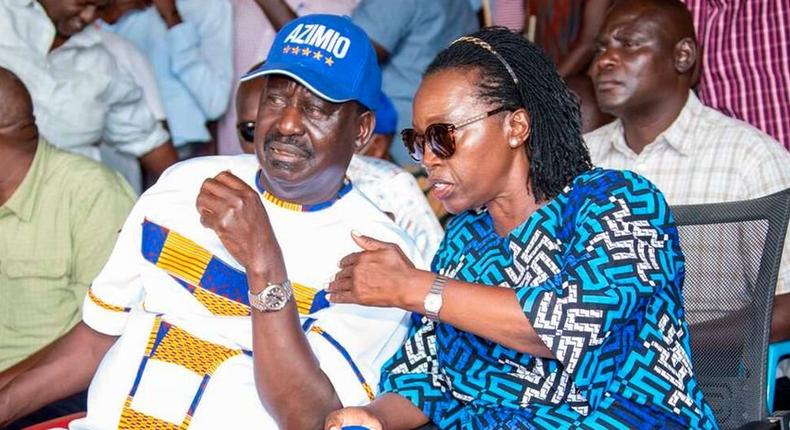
(409, 137)
(441, 139)
(247, 131)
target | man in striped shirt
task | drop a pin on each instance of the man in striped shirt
(746, 61)
(643, 71)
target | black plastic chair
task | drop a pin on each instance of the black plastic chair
(733, 251)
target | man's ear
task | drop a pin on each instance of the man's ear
(518, 128)
(685, 55)
(366, 124)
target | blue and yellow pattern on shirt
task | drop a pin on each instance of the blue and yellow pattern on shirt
(218, 286)
(598, 271)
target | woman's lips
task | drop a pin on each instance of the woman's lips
(441, 189)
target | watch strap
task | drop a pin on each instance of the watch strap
(437, 287)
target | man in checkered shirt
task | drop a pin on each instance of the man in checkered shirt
(646, 54)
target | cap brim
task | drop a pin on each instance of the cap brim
(305, 76)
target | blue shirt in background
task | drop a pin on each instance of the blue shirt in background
(192, 62)
(413, 32)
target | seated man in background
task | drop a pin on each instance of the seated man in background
(407, 35)
(59, 217)
(744, 72)
(80, 96)
(642, 73)
(392, 189)
(135, 64)
(210, 312)
(384, 133)
(189, 44)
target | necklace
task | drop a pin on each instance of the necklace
(299, 207)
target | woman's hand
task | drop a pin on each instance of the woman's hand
(352, 417)
(378, 275)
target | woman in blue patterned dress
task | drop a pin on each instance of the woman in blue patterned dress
(586, 329)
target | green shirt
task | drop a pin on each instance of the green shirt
(56, 233)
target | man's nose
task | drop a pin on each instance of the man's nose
(604, 59)
(290, 121)
(88, 14)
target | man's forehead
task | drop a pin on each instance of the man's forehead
(643, 19)
(643, 14)
(287, 83)
(627, 14)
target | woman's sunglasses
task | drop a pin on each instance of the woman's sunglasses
(440, 137)
(246, 130)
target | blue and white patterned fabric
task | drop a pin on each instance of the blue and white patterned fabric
(598, 272)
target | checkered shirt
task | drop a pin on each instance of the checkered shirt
(703, 157)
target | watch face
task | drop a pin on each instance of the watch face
(432, 303)
(274, 297)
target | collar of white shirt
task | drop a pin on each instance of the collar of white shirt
(674, 137)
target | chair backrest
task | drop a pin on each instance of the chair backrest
(732, 251)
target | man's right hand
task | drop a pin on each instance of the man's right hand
(234, 211)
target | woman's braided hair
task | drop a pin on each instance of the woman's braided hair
(515, 73)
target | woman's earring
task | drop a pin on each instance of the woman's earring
(513, 143)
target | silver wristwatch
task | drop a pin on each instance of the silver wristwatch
(433, 300)
(272, 298)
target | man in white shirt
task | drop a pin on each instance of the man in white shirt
(216, 317)
(189, 44)
(81, 97)
(132, 62)
(135, 64)
(645, 57)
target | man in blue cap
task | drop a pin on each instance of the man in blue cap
(211, 312)
(391, 188)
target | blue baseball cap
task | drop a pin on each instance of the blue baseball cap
(386, 116)
(328, 54)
